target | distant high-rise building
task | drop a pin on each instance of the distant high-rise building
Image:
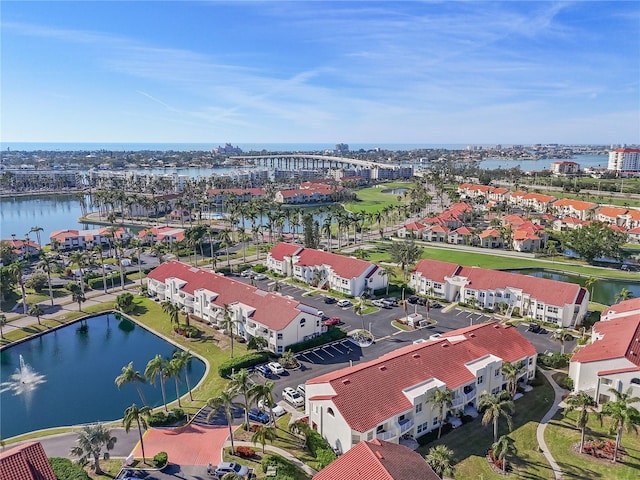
(342, 147)
(624, 160)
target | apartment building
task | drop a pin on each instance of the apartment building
(624, 160)
(70, 239)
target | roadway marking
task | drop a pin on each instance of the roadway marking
(336, 348)
(328, 353)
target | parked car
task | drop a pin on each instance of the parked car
(301, 389)
(293, 397)
(277, 410)
(533, 327)
(387, 304)
(344, 303)
(247, 273)
(258, 416)
(392, 300)
(275, 368)
(413, 299)
(378, 303)
(332, 321)
(264, 370)
(259, 276)
(422, 301)
(433, 304)
(231, 467)
(329, 300)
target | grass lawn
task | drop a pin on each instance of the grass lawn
(561, 434)
(471, 441)
(256, 464)
(373, 200)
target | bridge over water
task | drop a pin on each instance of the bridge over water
(309, 161)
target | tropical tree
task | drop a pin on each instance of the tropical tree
(225, 402)
(156, 370)
(441, 460)
(15, 270)
(510, 372)
(241, 384)
(584, 404)
(182, 358)
(125, 302)
(172, 370)
(36, 311)
(131, 375)
(623, 415)
(622, 295)
(229, 323)
(90, 442)
(590, 282)
(159, 249)
(3, 322)
(173, 310)
(301, 429)
(79, 258)
(140, 416)
(405, 253)
(442, 399)
(264, 433)
(503, 447)
(263, 392)
(77, 295)
(358, 308)
(495, 406)
(46, 263)
(560, 335)
(37, 231)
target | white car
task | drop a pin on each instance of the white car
(259, 276)
(277, 410)
(344, 303)
(293, 397)
(275, 368)
(301, 389)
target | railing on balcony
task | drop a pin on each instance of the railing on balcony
(458, 401)
(188, 302)
(384, 435)
(161, 287)
(405, 425)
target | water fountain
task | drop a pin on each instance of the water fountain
(25, 380)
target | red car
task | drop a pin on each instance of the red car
(332, 321)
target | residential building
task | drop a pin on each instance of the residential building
(347, 275)
(411, 230)
(280, 320)
(23, 248)
(565, 168)
(562, 303)
(460, 236)
(436, 233)
(491, 238)
(342, 408)
(568, 223)
(26, 462)
(567, 207)
(378, 459)
(70, 239)
(165, 235)
(612, 360)
(611, 215)
(624, 160)
(220, 196)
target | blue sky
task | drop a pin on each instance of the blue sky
(347, 71)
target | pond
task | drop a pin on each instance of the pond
(396, 191)
(67, 376)
(603, 291)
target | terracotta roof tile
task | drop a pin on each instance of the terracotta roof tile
(436, 270)
(620, 339)
(283, 249)
(344, 267)
(26, 462)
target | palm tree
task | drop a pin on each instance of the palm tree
(441, 460)
(504, 446)
(442, 399)
(77, 295)
(37, 231)
(559, 335)
(45, 264)
(301, 429)
(622, 415)
(358, 308)
(263, 392)
(264, 433)
(156, 369)
(496, 406)
(229, 322)
(131, 375)
(585, 404)
(36, 311)
(80, 258)
(510, 372)
(622, 295)
(139, 415)
(172, 370)
(590, 282)
(15, 270)
(224, 401)
(172, 310)
(159, 248)
(91, 439)
(182, 358)
(3, 322)
(240, 383)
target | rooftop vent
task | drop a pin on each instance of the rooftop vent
(496, 326)
(415, 355)
(382, 368)
(445, 344)
(379, 455)
(472, 335)
(346, 381)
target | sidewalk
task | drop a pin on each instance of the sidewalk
(271, 448)
(543, 423)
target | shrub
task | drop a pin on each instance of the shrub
(246, 452)
(245, 361)
(65, 469)
(260, 268)
(286, 468)
(555, 360)
(96, 283)
(331, 335)
(161, 419)
(160, 459)
(37, 281)
(324, 456)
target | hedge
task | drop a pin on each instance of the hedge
(245, 361)
(96, 283)
(331, 335)
(65, 469)
(285, 467)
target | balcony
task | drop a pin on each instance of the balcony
(187, 302)
(384, 435)
(405, 425)
(160, 287)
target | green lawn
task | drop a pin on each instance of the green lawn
(471, 441)
(561, 434)
(373, 200)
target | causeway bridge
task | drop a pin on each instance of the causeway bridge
(295, 161)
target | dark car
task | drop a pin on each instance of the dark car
(533, 327)
(330, 300)
(435, 305)
(413, 299)
(258, 416)
(264, 371)
(391, 300)
(421, 301)
(332, 321)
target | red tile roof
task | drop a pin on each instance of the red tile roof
(611, 212)
(624, 308)
(618, 370)
(344, 267)
(444, 359)
(575, 204)
(283, 249)
(378, 460)
(490, 232)
(620, 339)
(415, 226)
(272, 310)
(436, 270)
(26, 462)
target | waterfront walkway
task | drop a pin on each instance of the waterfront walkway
(557, 401)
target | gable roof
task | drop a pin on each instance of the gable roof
(378, 460)
(344, 267)
(284, 249)
(272, 310)
(436, 270)
(620, 338)
(26, 462)
(443, 359)
(622, 309)
(575, 204)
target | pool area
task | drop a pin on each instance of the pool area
(67, 376)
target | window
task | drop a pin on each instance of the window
(370, 436)
(606, 381)
(480, 379)
(497, 372)
(317, 323)
(280, 349)
(435, 420)
(303, 321)
(418, 408)
(531, 361)
(330, 412)
(380, 429)
(635, 381)
(552, 309)
(279, 336)
(495, 390)
(540, 306)
(507, 295)
(481, 294)
(419, 428)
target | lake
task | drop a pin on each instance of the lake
(79, 367)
